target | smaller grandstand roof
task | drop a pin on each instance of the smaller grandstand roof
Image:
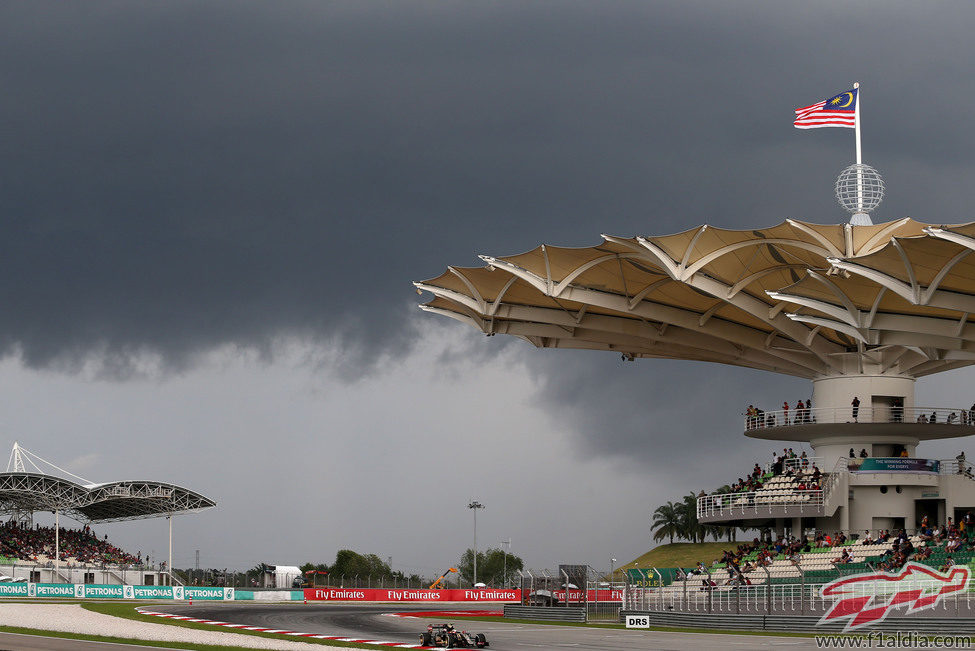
(21, 491)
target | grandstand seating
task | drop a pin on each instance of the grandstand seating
(77, 546)
(778, 489)
(817, 565)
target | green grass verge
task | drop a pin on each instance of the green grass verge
(681, 555)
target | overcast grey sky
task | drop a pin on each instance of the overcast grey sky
(212, 212)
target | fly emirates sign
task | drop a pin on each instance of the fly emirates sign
(377, 594)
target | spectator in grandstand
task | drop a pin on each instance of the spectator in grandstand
(816, 474)
(883, 536)
(954, 543)
(922, 554)
(906, 547)
(867, 538)
(785, 412)
(845, 557)
(947, 564)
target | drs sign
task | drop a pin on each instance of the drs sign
(637, 621)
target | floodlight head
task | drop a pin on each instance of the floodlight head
(859, 189)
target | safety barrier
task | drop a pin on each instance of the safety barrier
(107, 591)
(545, 614)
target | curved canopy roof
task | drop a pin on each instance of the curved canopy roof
(111, 502)
(803, 299)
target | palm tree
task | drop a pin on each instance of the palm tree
(666, 522)
(690, 527)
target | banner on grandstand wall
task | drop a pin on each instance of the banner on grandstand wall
(899, 464)
(14, 590)
(388, 594)
(642, 578)
(106, 591)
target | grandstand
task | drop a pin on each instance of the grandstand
(39, 554)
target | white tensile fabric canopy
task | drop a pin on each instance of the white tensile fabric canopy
(803, 299)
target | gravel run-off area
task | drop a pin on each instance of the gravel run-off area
(72, 618)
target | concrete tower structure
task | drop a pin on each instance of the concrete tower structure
(860, 310)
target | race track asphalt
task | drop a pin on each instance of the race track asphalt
(368, 621)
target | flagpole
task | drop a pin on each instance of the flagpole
(856, 122)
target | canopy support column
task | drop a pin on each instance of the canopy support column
(57, 544)
(169, 563)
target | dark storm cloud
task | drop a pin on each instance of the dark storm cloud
(177, 176)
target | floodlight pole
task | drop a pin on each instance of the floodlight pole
(474, 506)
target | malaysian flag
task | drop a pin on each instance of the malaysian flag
(837, 111)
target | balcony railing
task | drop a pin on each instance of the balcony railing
(921, 415)
(731, 504)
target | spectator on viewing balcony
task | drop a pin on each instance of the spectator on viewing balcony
(863, 453)
(934, 417)
(922, 418)
(856, 408)
(904, 453)
(952, 417)
(853, 455)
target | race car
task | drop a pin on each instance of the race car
(448, 637)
